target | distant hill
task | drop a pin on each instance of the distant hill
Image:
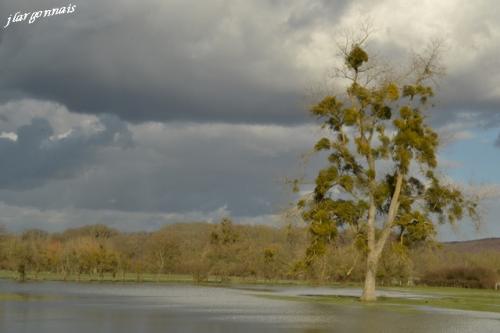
(478, 245)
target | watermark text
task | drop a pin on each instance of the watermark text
(32, 17)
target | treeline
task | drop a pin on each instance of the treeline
(226, 250)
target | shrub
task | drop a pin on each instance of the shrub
(461, 276)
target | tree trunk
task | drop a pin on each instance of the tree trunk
(161, 258)
(370, 277)
(371, 262)
(22, 272)
(375, 246)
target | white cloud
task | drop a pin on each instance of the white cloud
(9, 135)
(19, 112)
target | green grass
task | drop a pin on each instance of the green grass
(444, 298)
(458, 298)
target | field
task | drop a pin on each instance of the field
(442, 298)
(411, 297)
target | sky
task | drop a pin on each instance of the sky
(136, 114)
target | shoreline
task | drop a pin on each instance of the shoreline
(148, 278)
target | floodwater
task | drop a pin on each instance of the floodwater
(58, 307)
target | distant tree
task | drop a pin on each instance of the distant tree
(69, 262)
(98, 231)
(223, 251)
(226, 234)
(380, 176)
(36, 242)
(20, 257)
(163, 250)
(270, 262)
(136, 254)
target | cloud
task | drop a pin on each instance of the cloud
(238, 61)
(102, 163)
(8, 135)
(489, 195)
(33, 156)
(176, 169)
(206, 97)
(161, 60)
(497, 141)
(19, 218)
(458, 130)
(19, 112)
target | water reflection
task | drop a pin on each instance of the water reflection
(69, 307)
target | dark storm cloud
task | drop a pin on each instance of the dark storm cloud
(182, 168)
(229, 61)
(472, 89)
(164, 60)
(36, 156)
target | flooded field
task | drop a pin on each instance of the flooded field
(70, 307)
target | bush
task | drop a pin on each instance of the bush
(465, 277)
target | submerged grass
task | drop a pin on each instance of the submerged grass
(22, 297)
